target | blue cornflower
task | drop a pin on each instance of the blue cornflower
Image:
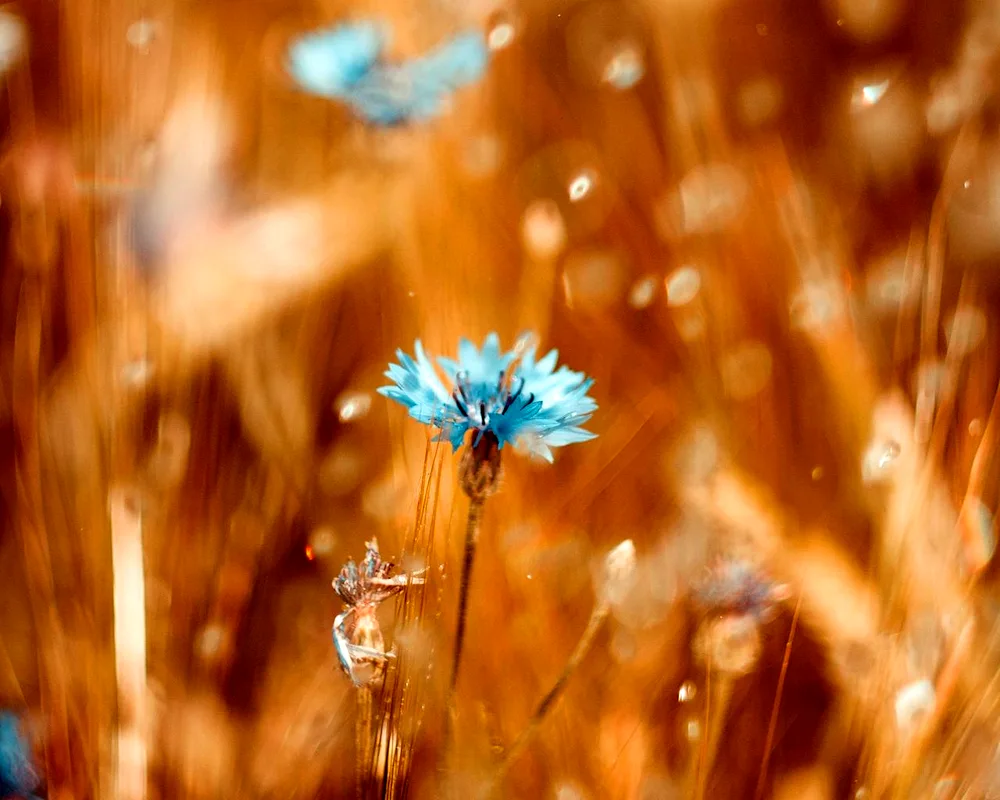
(346, 63)
(496, 394)
(17, 773)
(736, 586)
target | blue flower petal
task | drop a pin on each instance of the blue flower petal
(17, 772)
(345, 63)
(329, 62)
(537, 406)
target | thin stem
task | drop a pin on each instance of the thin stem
(721, 692)
(363, 739)
(471, 540)
(773, 724)
(597, 618)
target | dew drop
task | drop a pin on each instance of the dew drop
(137, 373)
(879, 460)
(730, 643)
(746, 370)
(914, 702)
(683, 286)
(625, 68)
(501, 33)
(817, 306)
(210, 640)
(643, 292)
(543, 229)
(140, 34)
(353, 405)
(759, 100)
(581, 186)
(687, 692)
(322, 541)
(692, 730)
(711, 198)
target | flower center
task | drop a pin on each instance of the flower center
(479, 402)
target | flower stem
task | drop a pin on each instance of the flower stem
(363, 740)
(471, 540)
(597, 618)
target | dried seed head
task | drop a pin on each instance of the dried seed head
(619, 573)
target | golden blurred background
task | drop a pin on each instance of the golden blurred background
(768, 229)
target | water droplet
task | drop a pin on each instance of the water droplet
(141, 33)
(683, 286)
(746, 370)
(581, 186)
(501, 32)
(692, 730)
(687, 692)
(730, 643)
(879, 460)
(866, 95)
(711, 197)
(817, 473)
(817, 306)
(976, 427)
(210, 640)
(914, 702)
(625, 68)
(569, 791)
(353, 405)
(137, 373)
(862, 794)
(543, 230)
(322, 541)
(643, 292)
(760, 100)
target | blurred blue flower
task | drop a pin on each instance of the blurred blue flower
(346, 63)
(515, 400)
(17, 773)
(735, 585)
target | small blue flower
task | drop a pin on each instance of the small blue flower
(346, 63)
(17, 773)
(735, 585)
(521, 401)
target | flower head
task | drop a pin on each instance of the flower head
(495, 393)
(17, 773)
(736, 586)
(347, 63)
